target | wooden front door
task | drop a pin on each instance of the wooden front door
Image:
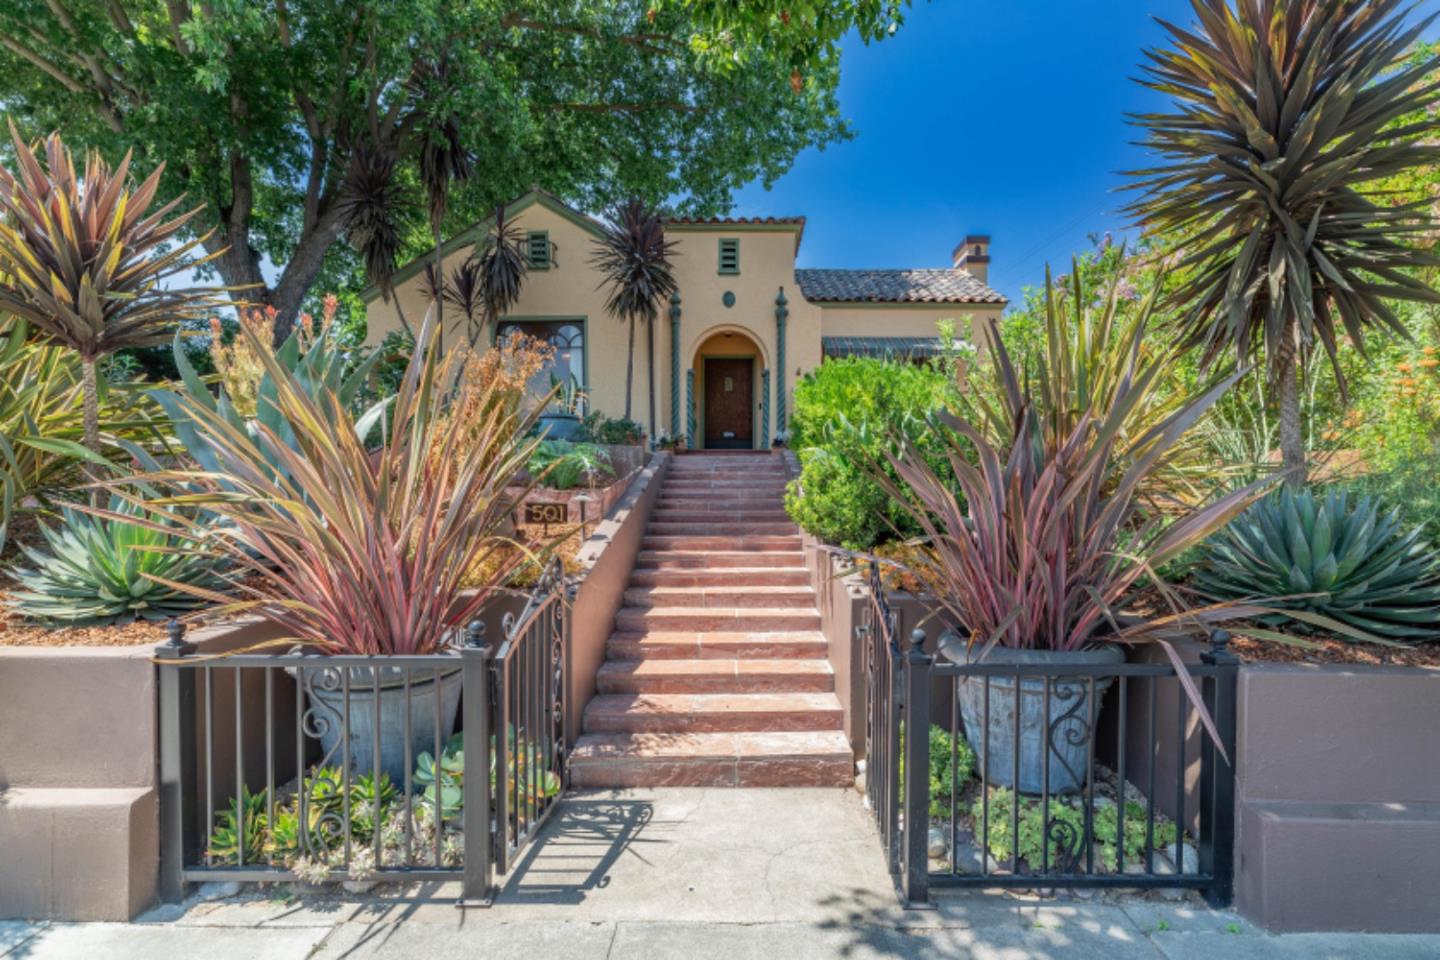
(729, 403)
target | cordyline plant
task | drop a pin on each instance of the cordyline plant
(82, 261)
(353, 549)
(633, 258)
(1044, 543)
(1284, 112)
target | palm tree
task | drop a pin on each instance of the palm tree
(633, 258)
(444, 160)
(371, 203)
(1284, 111)
(501, 272)
(83, 262)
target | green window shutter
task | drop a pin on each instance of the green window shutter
(537, 249)
(729, 255)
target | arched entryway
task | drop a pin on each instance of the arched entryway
(730, 402)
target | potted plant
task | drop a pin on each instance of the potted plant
(1036, 551)
(563, 419)
(675, 444)
(358, 549)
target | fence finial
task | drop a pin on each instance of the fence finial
(175, 645)
(475, 634)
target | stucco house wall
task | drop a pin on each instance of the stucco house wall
(720, 313)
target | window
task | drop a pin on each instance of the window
(537, 249)
(729, 255)
(568, 339)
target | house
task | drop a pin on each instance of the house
(745, 325)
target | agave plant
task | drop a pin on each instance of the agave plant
(351, 548)
(109, 567)
(633, 258)
(1324, 554)
(1284, 112)
(314, 363)
(245, 819)
(84, 261)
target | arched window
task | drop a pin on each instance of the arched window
(568, 339)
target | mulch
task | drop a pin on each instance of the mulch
(1332, 651)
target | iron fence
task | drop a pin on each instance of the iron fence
(319, 768)
(1058, 798)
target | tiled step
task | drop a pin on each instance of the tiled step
(736, 620)
(725, 516)
(679, 645)
(738, 485)
(692, 542)
(724, 598)
(712, 713)
(729, 528)
(788, 559)
(791, 759)
(715, 676)
(720, 577)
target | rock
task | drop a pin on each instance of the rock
(1165, 866)
(358, 886)
(218, 889)
(936, 845)
(967, 856)
(1083, 893)
(1131, 869)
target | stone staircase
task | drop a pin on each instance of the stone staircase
(716, 674)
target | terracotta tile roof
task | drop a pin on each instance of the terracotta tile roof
(894, 286)
(736, 221)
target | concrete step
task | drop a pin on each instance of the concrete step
(712, 713)
(720, 577)
(789, 759)
(725, 598)
(715, 676)
(720, 559)
(727, 528)
(693, 543)
(679, 645)
(736, 620)
(753, 485)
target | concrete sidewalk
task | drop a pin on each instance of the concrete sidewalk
(733, 874)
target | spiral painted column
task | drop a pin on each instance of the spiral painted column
(690, 409)
(675, 363)
(764, 409)
(781, 313)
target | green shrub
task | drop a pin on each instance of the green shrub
(845, 414)
(598, 428)
(99, 570)
(1070, 812)
(1316, 554)
(942, 774)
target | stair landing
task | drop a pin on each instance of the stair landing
(717, 674)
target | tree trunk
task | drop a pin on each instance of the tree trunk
(1292, 439)
(650, 370)
(91, 404)
(439, 292)
(629, 367)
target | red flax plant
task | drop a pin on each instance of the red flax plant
(1044, 544)
(353, 549)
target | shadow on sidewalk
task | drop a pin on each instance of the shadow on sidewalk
(575, 852)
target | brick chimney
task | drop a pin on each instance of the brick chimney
(973, 256)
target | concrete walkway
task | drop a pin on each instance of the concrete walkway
(691, 873)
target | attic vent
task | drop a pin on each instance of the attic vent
(537, 249)
(730, 256)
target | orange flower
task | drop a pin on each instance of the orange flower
(1430, 363)
(1403, 367)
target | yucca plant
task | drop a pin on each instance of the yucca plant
(84, 260)
(349, 548)
(1284, 112)
(1323, 553)
(111, 566)
(633, 258)
(502, 267)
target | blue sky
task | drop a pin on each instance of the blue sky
(979, 117)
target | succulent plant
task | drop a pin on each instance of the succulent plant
(224, 844)
(1321, 554)
(104, 568)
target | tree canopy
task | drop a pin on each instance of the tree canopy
(261, 110)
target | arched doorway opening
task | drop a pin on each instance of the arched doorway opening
(728, 365)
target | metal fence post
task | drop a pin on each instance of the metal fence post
(175, 689)
(916, 876)
(1217, 776)
(478, 886)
